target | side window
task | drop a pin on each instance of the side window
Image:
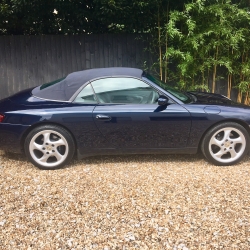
(124, 90)
(86, 95)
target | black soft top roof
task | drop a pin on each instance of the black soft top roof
(66, 88)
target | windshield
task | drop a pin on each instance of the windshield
(178, 94)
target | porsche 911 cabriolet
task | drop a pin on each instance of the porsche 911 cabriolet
(120, 110)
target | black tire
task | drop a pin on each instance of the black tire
(225, 144)
(49, 147)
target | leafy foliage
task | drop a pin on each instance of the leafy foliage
(197, 42)
(21, 17)
(208, 39)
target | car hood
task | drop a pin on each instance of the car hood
(214, 99)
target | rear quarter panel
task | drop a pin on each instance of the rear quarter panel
(20, 119)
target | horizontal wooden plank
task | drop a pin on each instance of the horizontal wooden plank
(28, 61)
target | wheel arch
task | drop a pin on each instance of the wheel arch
(24, 135)
(240, 122)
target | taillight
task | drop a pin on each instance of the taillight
(1, 117)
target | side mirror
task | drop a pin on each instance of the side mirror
(162, 100)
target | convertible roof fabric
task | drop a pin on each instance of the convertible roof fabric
(66, 88)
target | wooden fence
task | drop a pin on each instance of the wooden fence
(27, 61)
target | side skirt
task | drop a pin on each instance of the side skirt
(115, 151)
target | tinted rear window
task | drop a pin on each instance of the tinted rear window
(46, 85)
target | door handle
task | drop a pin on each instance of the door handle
(103, 117)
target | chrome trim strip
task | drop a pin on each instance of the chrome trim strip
(50, 99)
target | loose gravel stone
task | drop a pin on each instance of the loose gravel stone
(125, 202)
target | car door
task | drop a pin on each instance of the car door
(129, 116)
(80, 121)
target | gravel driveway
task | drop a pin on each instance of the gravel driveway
(125, 202)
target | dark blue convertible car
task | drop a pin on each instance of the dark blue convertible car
(120, 110)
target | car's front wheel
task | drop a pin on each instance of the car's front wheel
(49, 147)
(225, 144)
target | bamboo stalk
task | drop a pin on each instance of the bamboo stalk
(159, 42)
(229, 82)
(229, 85)
(239, 97)
(166, 48)
(214, 77)
(246, 98)
(247, 101)
(208, 77)
(215, 69)
(242, 78)
(203, 76)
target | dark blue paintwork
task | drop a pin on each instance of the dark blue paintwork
(144, 126)
(174, 128)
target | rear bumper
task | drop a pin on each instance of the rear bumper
(10, 137)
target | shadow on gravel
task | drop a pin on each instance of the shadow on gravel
(13, 156)
(140, 158)
(123, 159)
(118, 158)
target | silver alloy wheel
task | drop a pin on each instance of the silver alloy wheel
(48, 148)
(227, 145)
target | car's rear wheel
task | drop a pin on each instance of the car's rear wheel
(49, 147)
(225, 144)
